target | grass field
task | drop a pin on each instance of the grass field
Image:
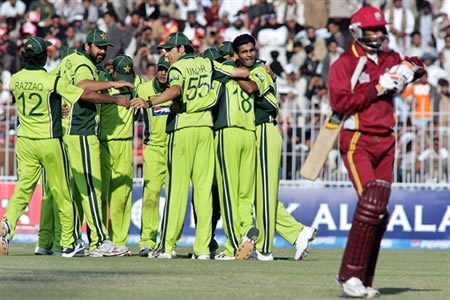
(400, 275)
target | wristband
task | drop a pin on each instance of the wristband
(149, 102)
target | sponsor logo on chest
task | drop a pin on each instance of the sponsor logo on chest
(364, 78)
(160, 110)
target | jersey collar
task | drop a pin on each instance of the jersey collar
(156, 86)
(35, 68)
(83, 53)
(187, 55)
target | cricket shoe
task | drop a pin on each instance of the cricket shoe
(352, 288)
(248, 242)
(144, 251)
(164, 255)
(223, 256)
(263, 257)
(107, 248)
(4, 246)
(372, 293)
(42, 251)
(201, 257)
(4, 228)
(71, 252)
(303, 242)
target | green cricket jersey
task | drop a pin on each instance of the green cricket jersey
(116, 122)
(266, 104)
(235, 108)
(38, 97)
(155, 118)
(76, 67)
(195, 76)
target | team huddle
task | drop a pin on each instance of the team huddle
(210, 121)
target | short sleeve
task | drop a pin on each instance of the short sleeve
(175, 77)
(83, 72)
(69, 91)
(263, 80)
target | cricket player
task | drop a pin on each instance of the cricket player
(81, 139)
(38, 97)
(271, 215)
(116, 153)
(367, 141)
(155, 140)
(235, 142)
(190, 149)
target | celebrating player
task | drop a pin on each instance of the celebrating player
(38, 97)
(271, 215)
(362, 89)
(191, 146)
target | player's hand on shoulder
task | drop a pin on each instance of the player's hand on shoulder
(137, 103)
(122, 83)
(123, 101)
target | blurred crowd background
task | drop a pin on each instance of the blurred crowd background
(299, 39)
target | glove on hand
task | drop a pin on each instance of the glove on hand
(390, 82)
(405, 71)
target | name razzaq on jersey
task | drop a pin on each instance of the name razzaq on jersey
(28, 86)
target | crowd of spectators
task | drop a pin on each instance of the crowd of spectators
(299, 39)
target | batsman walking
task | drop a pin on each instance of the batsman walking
(367, 141)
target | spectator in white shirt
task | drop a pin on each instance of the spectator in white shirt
(12, 9)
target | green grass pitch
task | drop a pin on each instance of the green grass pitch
(401, 274)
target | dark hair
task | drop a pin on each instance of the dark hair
(242, 40)
(414, 33)
(36, 60)
(443, 82)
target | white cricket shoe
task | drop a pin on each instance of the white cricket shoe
(372, 293)
(107, 248)
(201, 257)
(42, 251)
(263, 257)
(164, 255)
(303, 242)
(4, 229)
(353, 288)
(223, 256)
(71, 252)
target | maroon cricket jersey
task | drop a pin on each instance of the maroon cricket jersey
(366, 112)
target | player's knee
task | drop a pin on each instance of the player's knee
(372, 205)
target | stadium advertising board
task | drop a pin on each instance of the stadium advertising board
(419, 218)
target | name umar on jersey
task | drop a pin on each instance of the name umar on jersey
(28, 86)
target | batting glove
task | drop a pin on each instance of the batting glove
(389, 82)
(405, 71)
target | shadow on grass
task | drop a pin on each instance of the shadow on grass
(395, 291)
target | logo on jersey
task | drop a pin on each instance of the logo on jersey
(174, 77)
(260, 77)
(364, 78)
(160, 110)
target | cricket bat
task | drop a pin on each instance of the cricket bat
(322, 146)
(328, 134)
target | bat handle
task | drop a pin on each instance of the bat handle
(334, 121)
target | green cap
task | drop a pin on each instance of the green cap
(123, 67)
(35, 46)
(175, 39)
(226, 48)
(68, 51)
(211, 53)
(98, 38)
(163, 61)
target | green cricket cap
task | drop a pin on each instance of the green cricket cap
(211, 53)
(35, 46)
(226, 48)
(123, 67)
(175, 39)
(98, 38)
(163, 61)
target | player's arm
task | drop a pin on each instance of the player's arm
(95, 86)
(343, 100)
(73, 93)
(249, 86)
(230, 71)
